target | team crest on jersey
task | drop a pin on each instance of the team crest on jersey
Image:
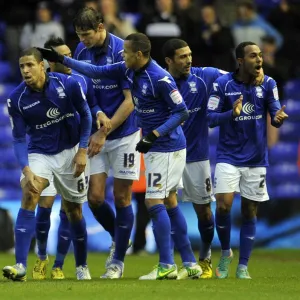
(60, 92)
(193, 87)
(144, 88)
(259, 92)
(109, 60)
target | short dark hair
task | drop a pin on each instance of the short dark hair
(34, 52)
(87, 18)
(171, 46)
(54, 42)
(139, 42)
(247, 3)
(240, 49)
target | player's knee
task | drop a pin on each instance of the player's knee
(223, 209)
(122, 199)
(29, 199)
(249, 209)
(74, 212)
(96, 197)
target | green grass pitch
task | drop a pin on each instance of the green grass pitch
(276, 275)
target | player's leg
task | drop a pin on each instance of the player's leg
(198, 190)
(74, 193)
(253, 190)
(227, 179)
(63, 244)
(25, 223)
(158, 172)
(42, 228)
(190, 269)
(101, 209)
(125, 162)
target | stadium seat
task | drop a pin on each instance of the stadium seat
(7, 158)
(9, 193)
(284, 152)
(284, 172)
(10, 177)
(290, 131)
(293, 109)
(5, 90)
(292, 90)
(5, 136)
(5, 71)
(4, 119)
(287, 190)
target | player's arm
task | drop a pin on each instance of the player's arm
(276, 111)
(167, 91)
(215, 114)
(113, 71)
(79, 101)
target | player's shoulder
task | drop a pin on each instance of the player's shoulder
(268, 82)
(225, 79)
(116, 41)
(158, 73)
(17, 92)
(54, 76)
(80, 50)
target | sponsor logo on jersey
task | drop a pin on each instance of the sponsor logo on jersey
(213, 102)
(25, 107)
(176, 96)
(165, 79)
(193, 87)
(53, 113)
(60, 92)
(96, 81)
(54, 121)
(248, 108)
(105, 87)
(233, 94)
(193, 110)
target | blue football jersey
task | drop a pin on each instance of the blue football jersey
(155, 96)
(48, 117)
(195, 90)
(242, 139)
(108, 91)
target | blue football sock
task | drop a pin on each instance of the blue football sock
(105, 216)
(124, 224)
(79, 238)
(247, 236)
(42, 229)
(223, 226)
(24, 231)
(206, 229)
(180, 235)
(161, 226)
(63, 240)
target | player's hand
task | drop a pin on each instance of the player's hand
(79, 162)
(280, 115)
(237, 106)
(51, 55)
(260, 78)
(145, 144)
(29, 181)
(96, 142)
(104, 122)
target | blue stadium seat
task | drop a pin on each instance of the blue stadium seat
(283, 152)
(7, 158)
(290, 131)
(10, 193)
(5, 136)
(293, 109)
(5, 90)
(5, 71)
(10, 177)
(292, 90)
(284, 173)
(287, 190)
(4, 119)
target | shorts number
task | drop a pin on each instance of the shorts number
(156, 178)
(262, 182)
(208, 184)
(80, 184)
(128, 160)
